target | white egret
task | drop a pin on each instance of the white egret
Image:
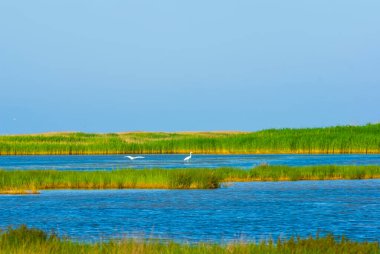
(132, 158)
(188, 157)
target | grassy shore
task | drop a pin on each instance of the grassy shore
(331, 140)
(27, 241)
(30, 181)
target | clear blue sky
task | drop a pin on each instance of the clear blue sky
(109, 66)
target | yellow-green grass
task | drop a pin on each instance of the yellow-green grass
(25, 240)
(118, 179)
(330, 140)
(30, 181)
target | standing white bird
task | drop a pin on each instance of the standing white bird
(188, 157)
(132, 158)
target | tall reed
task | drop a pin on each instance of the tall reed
(331, 140)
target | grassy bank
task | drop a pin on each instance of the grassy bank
(331, 140)
(28, 241)
(17, 182)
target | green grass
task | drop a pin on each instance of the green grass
(25, 240)
(24, 181)
(331, 140)
(288, 173)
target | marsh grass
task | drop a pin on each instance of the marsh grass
(331, 140)
(28, 240)
(31, 181)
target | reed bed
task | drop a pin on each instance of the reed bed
(25, 240)
(31, 181)
(331, 140)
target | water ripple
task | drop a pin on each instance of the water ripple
(243, 211)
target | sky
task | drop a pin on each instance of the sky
(169, 65)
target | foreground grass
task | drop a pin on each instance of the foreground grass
(27, 241)
(339, 139)
(30, 181)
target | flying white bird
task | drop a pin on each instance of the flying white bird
(132, 158)
(188, 157)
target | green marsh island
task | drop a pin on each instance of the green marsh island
(31, 181)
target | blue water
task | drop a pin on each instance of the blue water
(248, 211)
(109, 162)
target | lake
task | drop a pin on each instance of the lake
(250, 211)
(247, 211)
(109, 162)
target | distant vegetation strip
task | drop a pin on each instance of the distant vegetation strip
(330, 140)
(30, 181)
(34, 241)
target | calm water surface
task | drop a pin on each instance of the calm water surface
(242, 211)
(109, 162)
